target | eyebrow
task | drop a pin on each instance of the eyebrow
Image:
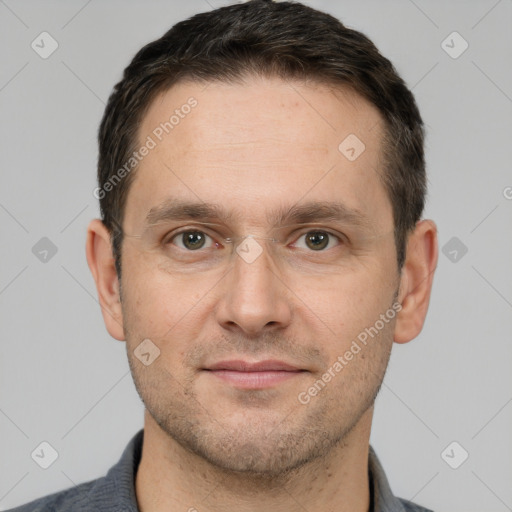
(176, 209)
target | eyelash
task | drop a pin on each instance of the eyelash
(168, 239)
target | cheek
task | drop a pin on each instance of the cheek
(348, 298)
(161, 306)
(145, 298)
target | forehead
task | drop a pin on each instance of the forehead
(251, 145)
(230, 114)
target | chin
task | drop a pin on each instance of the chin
(259, 452)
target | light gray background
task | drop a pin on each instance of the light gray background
(65, 381)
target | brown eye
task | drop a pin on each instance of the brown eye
(191, 240)
(317, 240)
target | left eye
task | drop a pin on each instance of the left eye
(317, 240)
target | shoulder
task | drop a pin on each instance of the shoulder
(409, 506)
(114, 491)
(74, 499)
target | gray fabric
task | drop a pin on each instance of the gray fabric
(115, 492)
(380, 491)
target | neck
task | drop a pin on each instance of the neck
(170, 477)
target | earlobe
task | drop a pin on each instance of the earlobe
(416, 281)
(102, 266)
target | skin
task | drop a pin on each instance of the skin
(252, 147)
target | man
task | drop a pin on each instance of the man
(261, 183)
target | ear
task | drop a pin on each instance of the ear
(101, 263)
(416, 281)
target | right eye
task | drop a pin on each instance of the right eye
(191, 240)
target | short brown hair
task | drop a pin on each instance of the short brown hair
(287, 40)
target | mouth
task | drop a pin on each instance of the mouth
(256, 375)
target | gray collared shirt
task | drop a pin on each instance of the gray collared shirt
(115, 492)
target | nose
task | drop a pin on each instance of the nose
(253, 297)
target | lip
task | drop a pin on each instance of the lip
(239, 365)
(256, 375)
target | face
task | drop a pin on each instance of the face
(249, 329)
